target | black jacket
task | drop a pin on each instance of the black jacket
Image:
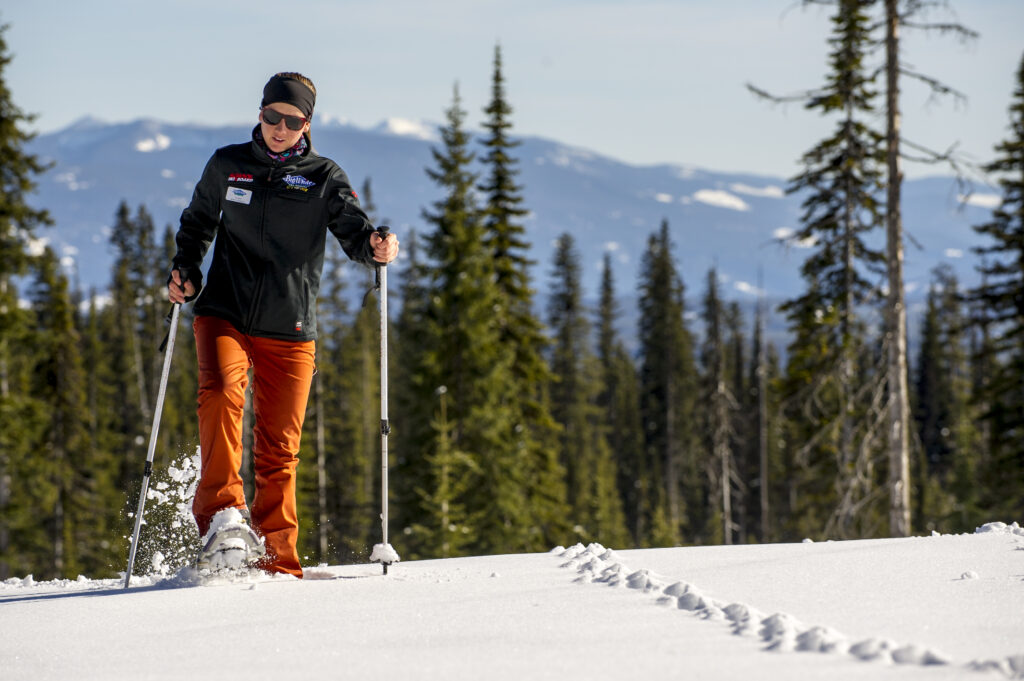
(271, 220)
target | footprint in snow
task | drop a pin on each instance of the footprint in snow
(780, 632)
(644, 581)
(745, 619)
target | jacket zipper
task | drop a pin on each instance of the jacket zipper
(254, 304)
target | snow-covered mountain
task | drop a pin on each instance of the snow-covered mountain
(928, 608)
(731, 220)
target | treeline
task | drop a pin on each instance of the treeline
(519, 425)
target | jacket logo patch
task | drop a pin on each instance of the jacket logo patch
(298, 326)
(239, 177)
(239, 195)
(298, 182)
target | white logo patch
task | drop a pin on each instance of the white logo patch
(239, 195)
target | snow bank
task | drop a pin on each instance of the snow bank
(1001, 528)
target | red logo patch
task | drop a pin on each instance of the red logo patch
(239, 177)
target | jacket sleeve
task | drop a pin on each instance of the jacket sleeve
(347, 221)
(198, 225)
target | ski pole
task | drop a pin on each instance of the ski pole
(152, 440)
(383, 552)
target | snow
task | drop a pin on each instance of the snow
(890, 608)
(223, 519)
(384, 553)
(787, 233)
(767, 192)
(158, 142)
(992, 201)
(721, 199)
(404, 127)
(747, 288)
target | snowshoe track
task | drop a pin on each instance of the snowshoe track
(780, 632)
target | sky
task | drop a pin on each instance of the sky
(643, 81)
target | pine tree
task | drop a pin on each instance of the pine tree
(744, 440)
(763, 375)
(59, 380)
(446, 522)
(947, 496)
(19, 219)
(18, 408)
(720, 405)
(832, 384)
(505, 238)
(621, 404)
(462, 352)
(596, 508)
(1001, 314)
(101, 439)
(518, 326)
(897, 14)
(667, 395)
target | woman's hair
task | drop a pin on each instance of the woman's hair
(308, 83)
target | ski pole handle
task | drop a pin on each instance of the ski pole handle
(383, 231)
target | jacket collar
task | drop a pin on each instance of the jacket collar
(259, 150)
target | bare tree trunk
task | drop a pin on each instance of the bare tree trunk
(5, 481)
(670, 460)
(762, 423)
(724, 454)
(140, 374)
(845, 449)
(896, 315)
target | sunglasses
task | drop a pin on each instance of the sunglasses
(271, 117)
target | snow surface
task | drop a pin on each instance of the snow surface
(878, 609)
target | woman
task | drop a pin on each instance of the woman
(270, 202)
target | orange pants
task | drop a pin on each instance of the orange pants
(282, 373)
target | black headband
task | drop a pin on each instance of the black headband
(289, 91)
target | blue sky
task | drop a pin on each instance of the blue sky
(640, 80)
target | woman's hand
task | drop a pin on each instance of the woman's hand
(174, 290)
(385, 249)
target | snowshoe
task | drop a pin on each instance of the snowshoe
(230, 544)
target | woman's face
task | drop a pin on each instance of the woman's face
(279, 137)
